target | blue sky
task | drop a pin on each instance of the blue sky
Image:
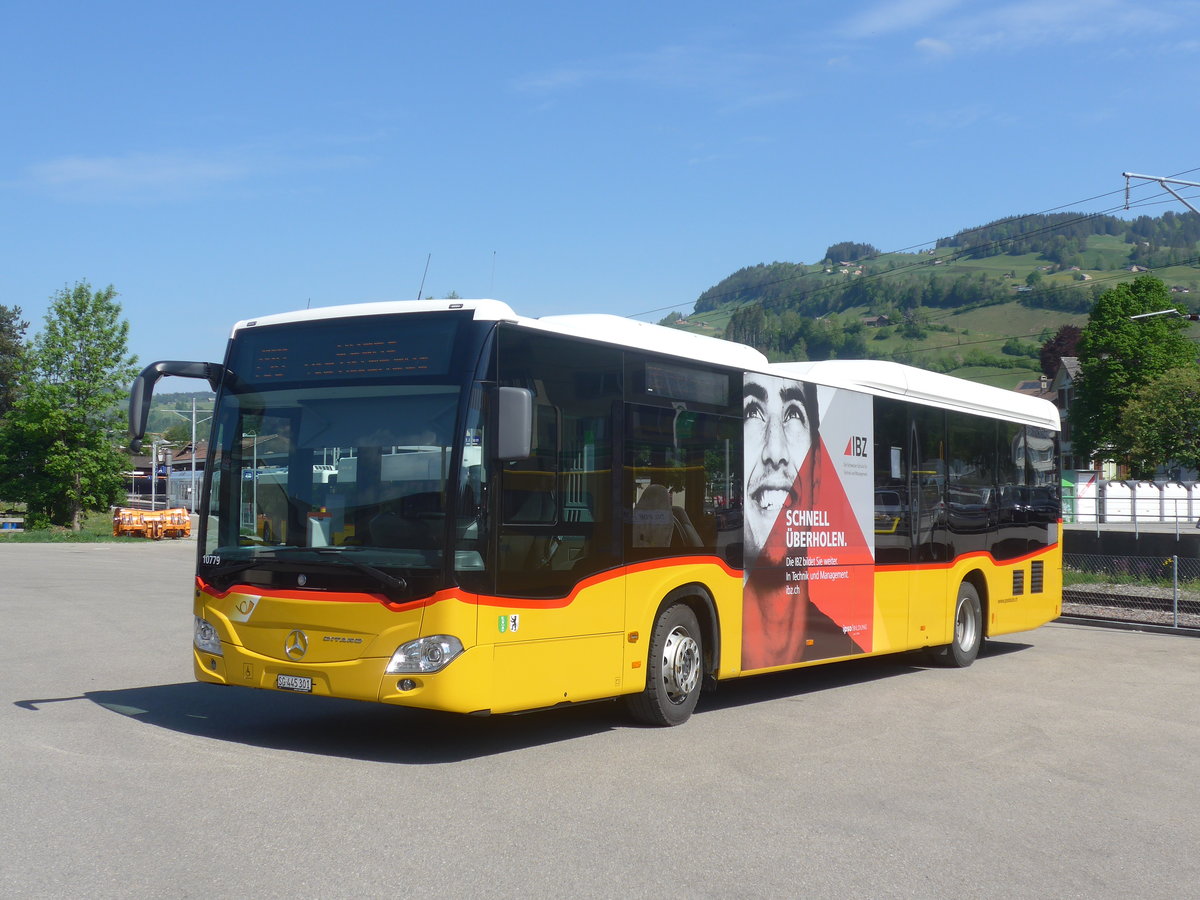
(221, 161)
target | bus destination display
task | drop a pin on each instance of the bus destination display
(359, 349)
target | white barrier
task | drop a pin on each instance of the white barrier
(1131, 502)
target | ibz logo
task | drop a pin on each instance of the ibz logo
(856, 446)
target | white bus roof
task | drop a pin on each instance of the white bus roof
(606, 328)
(890, 379)
(654, 338)
(484, 309)
(883, 379)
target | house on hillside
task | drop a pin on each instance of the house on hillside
(1059, 389)
(1036, 387)
(1062, 390)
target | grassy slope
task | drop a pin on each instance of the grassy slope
(987, 328)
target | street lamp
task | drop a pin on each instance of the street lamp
(154, 474)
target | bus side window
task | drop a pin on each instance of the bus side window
(893, 531)
(680, 465)
(555, 508)
(528, 493)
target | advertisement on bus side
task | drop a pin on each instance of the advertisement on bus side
(809, 537)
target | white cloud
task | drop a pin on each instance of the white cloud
(897, 15)
(142, 177)
(933, 47)
(965, 27)
(738, 79)
(135, 176)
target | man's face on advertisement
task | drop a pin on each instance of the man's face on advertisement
(778, 437)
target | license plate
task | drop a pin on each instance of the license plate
(294, 683)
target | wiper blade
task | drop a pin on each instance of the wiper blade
(343, 557)
(395, 581)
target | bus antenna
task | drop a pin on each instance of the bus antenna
(421, 289)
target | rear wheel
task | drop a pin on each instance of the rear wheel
(968, 630)
(674, 670)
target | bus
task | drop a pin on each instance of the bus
(447, 505)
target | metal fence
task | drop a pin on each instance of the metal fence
(1152, 590)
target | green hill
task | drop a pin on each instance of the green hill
(978, 305)
(173, 413)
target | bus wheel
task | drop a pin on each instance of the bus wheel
(968, 630)
(674, 670)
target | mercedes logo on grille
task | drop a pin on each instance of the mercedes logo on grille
(295, 645)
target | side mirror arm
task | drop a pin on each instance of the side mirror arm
(142, 390)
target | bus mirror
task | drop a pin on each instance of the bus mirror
(142, 390)
(515, 427)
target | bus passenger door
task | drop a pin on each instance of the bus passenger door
(930, 547)
(893, 525)
(558, 621)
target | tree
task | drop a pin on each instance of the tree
(747, 326)
(1161, 422)
(849, 251)
(12, 354)
(59, 450)
(1117, 356)
(1064, 343)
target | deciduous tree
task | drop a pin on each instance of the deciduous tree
(1117, 356)
(1161, 422)
(60, 446)
(1064, 343)
(12, 352)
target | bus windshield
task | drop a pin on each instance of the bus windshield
(303, 473)
(335, 449)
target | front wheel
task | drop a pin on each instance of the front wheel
(968, 630)
(674, 670)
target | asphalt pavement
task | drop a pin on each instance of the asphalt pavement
(1062, 764)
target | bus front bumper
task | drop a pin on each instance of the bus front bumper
(463, 686)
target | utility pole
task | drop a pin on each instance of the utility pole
(1165, 183)
(192, 489)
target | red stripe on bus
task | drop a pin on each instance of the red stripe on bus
(600, 577)
(325, 596)
(979, 554)
(463, 596)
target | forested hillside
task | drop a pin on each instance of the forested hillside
(171, 415)
(978, 304)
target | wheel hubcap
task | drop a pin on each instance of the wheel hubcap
(680, 665)
(966, 629)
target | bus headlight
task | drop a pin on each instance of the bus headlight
(425, 655)
(206, 637)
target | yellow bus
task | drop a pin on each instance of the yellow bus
(446, 505)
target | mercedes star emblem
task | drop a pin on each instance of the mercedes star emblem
(295, 645)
